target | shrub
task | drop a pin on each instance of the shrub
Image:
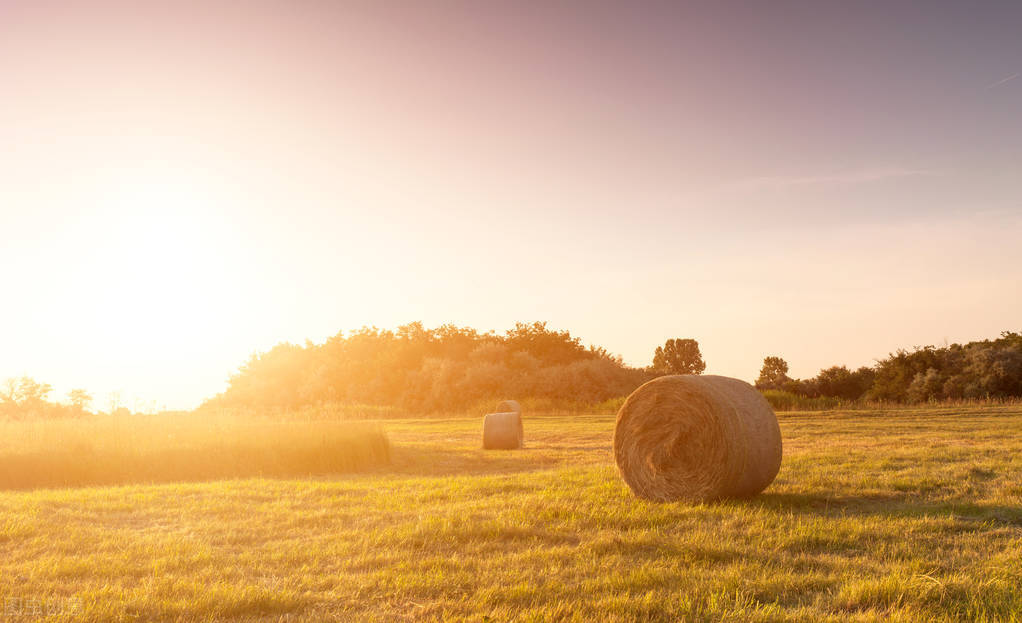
(787, 401)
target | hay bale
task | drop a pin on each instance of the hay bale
(502, 431)
(697, 438)
(508, 406)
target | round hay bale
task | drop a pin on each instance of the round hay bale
(697, 438)
(508, 406)
(502, 431)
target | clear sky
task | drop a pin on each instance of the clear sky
(184, 183)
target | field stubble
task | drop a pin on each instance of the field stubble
(907, 516)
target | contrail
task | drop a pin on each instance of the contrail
(1003, 80)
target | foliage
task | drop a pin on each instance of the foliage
(984, 370)
(840, 382)
(25, 392)
(418, 369)
(79, 399)
(678, 356)
(987, 369)
(773, 375)
(455, 369)
(788, 401)
(26, 398)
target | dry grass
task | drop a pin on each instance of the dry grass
(905, 516)
(108, 450)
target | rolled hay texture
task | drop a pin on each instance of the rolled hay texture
(502, 431)
(508, 406)
(697, 439)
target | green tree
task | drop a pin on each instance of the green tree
(773, 374)
(678, 356)
(926, 386)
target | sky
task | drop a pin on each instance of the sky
(183, 184)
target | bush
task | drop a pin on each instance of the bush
(787, 401)
(415, 369)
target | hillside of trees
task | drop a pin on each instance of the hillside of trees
(430, 370)
(26, 398)
(453, 369)
(988, 369)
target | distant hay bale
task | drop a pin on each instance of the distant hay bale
(502, 431)
(697, 438)
(508, 406)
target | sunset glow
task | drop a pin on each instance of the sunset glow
(184, 185)
(516, 310)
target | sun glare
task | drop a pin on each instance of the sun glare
(156, 263)
(510, 311)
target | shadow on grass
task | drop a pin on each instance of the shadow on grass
(897, 505)
(440, 461)
(431, 460)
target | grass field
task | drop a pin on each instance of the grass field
(906, 516)
(113, 450)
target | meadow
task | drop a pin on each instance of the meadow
(113, 450)
(908, 515)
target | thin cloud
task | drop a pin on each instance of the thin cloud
(1005, 80)
(856, 176)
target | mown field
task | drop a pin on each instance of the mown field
(120, 450)
(903, 516)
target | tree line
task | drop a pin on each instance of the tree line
(26, 398)
(976, 370)
(448, 368)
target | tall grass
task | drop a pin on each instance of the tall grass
(109, 450)
(779, 400)
(336, 411)
(788, 401)
(913, 519)
(329, 411)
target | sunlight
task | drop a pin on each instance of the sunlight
(157, 263)
(510, 311)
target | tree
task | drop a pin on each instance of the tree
(926, 386)
(114, 402)
(9, 392)
(773, 374)
(419, 368)
(678, 356)
(31, 392)
(550, 347)
(80, 399)
(840, 382)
